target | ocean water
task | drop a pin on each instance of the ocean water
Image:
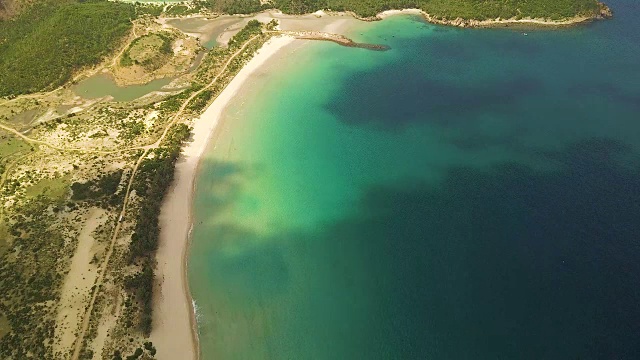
(469, 194)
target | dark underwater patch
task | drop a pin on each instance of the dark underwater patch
(497, 263)
(391, 100)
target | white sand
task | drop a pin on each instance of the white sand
(174, 330)
(386, 14)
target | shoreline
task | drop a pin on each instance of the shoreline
(604, 13)
(175, 332)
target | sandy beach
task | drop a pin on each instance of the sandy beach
(174, 327)
(459, 22)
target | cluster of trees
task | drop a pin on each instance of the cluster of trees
(106, 185)
(42, 47)
(180, 9)
(253, 27)
(154, 178)
(172, 103)
(450, 9)
(140, 286)
(200, 101)
(236, 6)
(29, 282)
(138, 352)
(152, 10)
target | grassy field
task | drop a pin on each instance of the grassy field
(42, 47)
(52, 188)
(10, 145)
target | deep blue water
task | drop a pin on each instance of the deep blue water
(470, 194)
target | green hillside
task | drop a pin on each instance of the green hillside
(42, 47)
(467, 9)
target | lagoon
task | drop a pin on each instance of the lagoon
(101, 85)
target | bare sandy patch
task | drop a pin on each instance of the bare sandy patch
(76, 290)
(108, 320)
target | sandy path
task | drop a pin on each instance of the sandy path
(174, 322)
(108, 321)
(76, 289)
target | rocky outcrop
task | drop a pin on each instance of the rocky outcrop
(604, 11)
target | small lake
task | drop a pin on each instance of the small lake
(101, 85)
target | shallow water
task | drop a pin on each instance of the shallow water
(101, 85)
(470, 194)
(210, 29)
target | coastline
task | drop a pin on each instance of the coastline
(604, 13)
(175, 332)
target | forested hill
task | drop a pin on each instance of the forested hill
(41, 47)
(450, 9)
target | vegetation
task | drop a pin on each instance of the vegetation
(10, 145)
(150, 51)
(253, 27)
(182, 9)
(9, 8)
(28, 309)
(172, 103)
(155, 174)
(43, 46)
(154, 178)
(152, 10)
(237, 6)
(140, 286)
(103, 188)
(200, 101)
(41, 231)
(449, 9)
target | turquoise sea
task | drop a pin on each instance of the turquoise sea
(469, 194)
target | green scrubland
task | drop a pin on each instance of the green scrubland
(450, 9)
(42, 47)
